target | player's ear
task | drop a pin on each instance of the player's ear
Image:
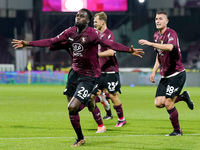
(167, 21)
(103, 22)
(88, 20)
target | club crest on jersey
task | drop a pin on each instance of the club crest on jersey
(83, 39)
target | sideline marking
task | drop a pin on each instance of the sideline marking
(91, 136)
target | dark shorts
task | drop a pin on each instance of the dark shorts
(110, 81)
(171, 87)
(79, 86)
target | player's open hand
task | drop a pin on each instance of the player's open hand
(19, 43)
(136, 51)
(144, 42)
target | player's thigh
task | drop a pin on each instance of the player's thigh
(72, 83)
(102, 81)
(175, 85)
(74, 104)
(160, 101)
(160, 94)
(115, 99)
(84, 91)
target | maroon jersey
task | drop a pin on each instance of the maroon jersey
(84, 46)
(171, 61)
(63, 45)
(108, 64)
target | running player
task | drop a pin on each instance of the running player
(173, 74)
(96, 112)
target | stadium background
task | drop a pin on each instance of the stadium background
(35, 116)
(24, 19)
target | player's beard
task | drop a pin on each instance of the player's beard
(98, 28)
(81, 26)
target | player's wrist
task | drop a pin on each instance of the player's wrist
(26, 43)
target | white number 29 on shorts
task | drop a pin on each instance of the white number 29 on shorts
(83, 93)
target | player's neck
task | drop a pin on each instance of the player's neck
(161, 31)
(81, 29)
(103, 28)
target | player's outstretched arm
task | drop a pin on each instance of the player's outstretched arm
(164, 47)
(19, 43)
(107, 53)
(136, 51)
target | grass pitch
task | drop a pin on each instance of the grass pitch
(35, 117)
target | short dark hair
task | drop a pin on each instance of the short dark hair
(162, 12)
(89, 13)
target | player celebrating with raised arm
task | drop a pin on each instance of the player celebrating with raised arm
(85, 66)
(173, 74)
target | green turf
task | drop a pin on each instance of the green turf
(35, 117)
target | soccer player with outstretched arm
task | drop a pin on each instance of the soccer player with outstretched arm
(85, 66)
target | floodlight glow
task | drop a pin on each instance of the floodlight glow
(74, 5)
(141, 1)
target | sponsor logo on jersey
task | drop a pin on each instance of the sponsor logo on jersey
(77, 49)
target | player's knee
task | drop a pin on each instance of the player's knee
(169, 104)
(72, 108)
(158, 104)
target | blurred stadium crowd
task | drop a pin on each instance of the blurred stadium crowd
(31, 23)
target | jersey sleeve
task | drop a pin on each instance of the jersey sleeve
(172, 38)
(104, 41)
(62, 45)
(154, 38)
(111, 37)
(62, 37)
(41, 43)
(114, 45)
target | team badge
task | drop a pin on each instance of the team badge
(83, 39)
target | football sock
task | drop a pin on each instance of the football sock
(107, 95)
(108, 112)
(119, 111)
(179, 97)
(79, 133)
(173, 116)
(97, 116)
(75, 121)
(97, 99)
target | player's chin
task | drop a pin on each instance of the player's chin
(80, 25)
